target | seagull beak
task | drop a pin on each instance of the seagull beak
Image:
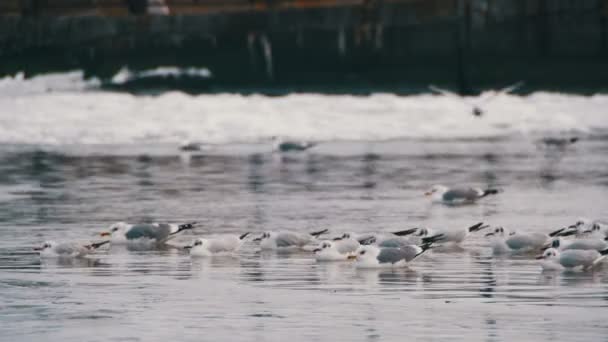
(428, 193)
(546, 246)
(105, 234)
(352, 257)
(540, 257)
(38, 249)
(188, 247)
(489, 234)
(316, 250)
(337, 239)
(257, 239)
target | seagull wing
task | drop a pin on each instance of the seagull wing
(391, 255)
(502, 91)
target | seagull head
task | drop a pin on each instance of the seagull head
(115, 229)
(423, 232)
(550, 253)
(367, 253)
(325, 245)
(498, 231)
(264, 236)
(436, 190)
(555, 243)
(47, 245)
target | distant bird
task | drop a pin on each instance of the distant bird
(329, 251)
(51, 249)
(572, 258)
(191, 146)
(387, 257)
(516, 242)
(287, 239)
(222, 244)
(145, 233)
(458, 195)
(280, 145)
(477, 109)
(557, 143)
(449, 235)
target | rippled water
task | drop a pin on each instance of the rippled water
(62, 193)
(73, 163)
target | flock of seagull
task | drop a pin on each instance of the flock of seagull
(581, 245)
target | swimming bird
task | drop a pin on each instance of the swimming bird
(572, 258)
(557, 143)
(582, 244)
(371, 256)
(51, 249)
(587, 227)
(287, 239)
(520, 242)
(476, 108)
(329, 251)
(280, 145)
(222, 244)
(145, 233)
(455, 236)
(459, 195)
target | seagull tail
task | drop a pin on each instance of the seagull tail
(319, 233)
(182, 227)
(487, 192)
(424, 246)
(431, 239)
(243, 236)
(557, 232)
(477, 227)
(405, 232)
(604, 252)
(96, 245)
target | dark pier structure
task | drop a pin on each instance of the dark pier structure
(321, 45)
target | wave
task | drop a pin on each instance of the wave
(65, 109)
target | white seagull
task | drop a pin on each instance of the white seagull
(476, 108)
(582, 244)
(51, 249)
(572, 258)
(144, 233)
(387, 257)
(287, 240)
(280, 145)
(459, 195)
(222, 244)
(520, 242)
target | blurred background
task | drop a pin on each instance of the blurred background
(278, 46)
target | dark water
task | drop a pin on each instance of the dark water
(68, 193)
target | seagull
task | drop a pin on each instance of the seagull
(586, 227)
(222, 244)
(558, 143)
(283, 240)
(387, 257)
(572, 258)
(280, 145)
(191, 146)
(476, 109)
(580, 244)
(520, 242)
(450, 235)
(144, 233)
(329, 251)
(51, 249)
(460, 195)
